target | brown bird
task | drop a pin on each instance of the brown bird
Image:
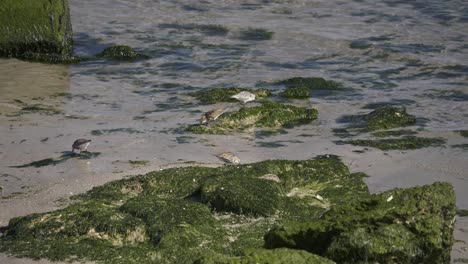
(212, 115)
(81, 145)
(229, 157)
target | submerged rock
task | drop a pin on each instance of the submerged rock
(121, 52)
(217, 95)
(36, 30)
(400, 226)
(302, 87)
(408, 142)
(268, 115)
(388, 117)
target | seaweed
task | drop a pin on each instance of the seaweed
(121, 52)
(412, 225)
(256, 34)
(404, 143)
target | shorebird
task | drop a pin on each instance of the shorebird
(244, 97)
(212, 115)
(229, 157)
(81, 145)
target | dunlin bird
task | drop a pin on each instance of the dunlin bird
(244, 97)
(229, 157)
(212, 115)
(81, 144)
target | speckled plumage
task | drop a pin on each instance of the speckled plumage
(212, 115)
(229, 157)
(81, 144)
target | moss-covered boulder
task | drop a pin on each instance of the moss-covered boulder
(271, 115)
(121, 52)
(400, 226)
(33, 29)
(242, 195)
(170, 216)
(264, 256)
(217, 95)
(388, 117)
(408, 142)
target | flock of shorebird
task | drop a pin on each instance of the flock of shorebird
(228, 157)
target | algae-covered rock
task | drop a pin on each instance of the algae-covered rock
(264, 256)
(217, 95)
(463, 133)
(160, 217)
(408, 142)
(388, 117)
(242, 195)
(121, 52)
(302, 87)
(312, 83)
(271, 115)
(256, 34)
(41, 27)
(384, 117)
(296, 92)
(400, 226)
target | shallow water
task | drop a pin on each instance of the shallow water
(413, 54)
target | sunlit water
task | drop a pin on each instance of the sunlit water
(413, 54)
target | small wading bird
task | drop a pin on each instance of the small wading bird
(212, 115)
(81, 145)
(229, 157)
(244, 97)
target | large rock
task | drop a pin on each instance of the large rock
(399, 226)
(28, 28)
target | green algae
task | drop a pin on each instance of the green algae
(460, 146)
(296, 92)
(264, 256)
(462, 212)
(463, 133)
(37, 108)
(217, 95)
(121, 52)
(271, 115)
(100, 132)
(412, 225)
(388, 117)
(138, 162)
(168, 217)
(242, 195)
(42, 27)
(51, 58)
(257, 34)
(404, 143)
(394, 133)
(382, 118)
(360, 44)
(58, 160)
(311, 83)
